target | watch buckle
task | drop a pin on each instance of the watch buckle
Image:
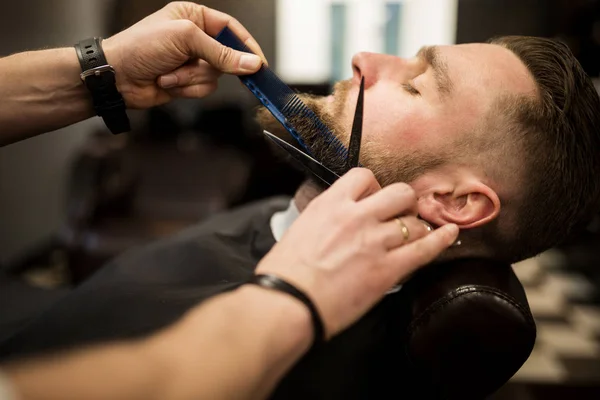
(96, 71)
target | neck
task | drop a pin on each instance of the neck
(306, 193)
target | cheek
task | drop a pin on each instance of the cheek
(393, 119)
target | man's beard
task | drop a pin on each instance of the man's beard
(388, 166)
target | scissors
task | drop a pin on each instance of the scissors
(320, 171)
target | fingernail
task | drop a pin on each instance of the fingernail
(249, 62)
(168, 81)
(452, 229)
(427, 226)
(252, 45)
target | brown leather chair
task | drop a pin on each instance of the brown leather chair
(471, 328)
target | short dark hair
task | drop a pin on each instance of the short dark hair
(560, 143)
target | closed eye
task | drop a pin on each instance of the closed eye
(411, 89)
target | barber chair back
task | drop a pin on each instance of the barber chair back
(458, 330)
(471, 328)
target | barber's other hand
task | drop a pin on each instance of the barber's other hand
(347, 248)
(172, 53)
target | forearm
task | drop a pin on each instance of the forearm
(238, 345)
(119, 371)
(249, 339)
(41, 91)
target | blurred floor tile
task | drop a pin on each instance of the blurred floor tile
(528, 271)
(586, 319)
(546, 305)
(542, 366)
(565, 362)
(565, 340)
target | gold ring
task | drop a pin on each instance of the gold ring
(404, 229)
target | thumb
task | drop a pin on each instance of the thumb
(224, 58)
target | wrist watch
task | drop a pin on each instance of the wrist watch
(99, 78)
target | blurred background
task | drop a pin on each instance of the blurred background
(72, 199)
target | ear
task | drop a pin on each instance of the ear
(468, 203)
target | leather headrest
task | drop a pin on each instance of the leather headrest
(471, 328)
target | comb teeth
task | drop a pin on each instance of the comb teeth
(280, 99)
(295, 107)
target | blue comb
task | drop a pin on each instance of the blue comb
(280, 99)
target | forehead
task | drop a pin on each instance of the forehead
(480, 74)
(487, 69)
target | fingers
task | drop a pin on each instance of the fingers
(193, 91)
(221, 57)
(401, 231)
(194, 80)
(404, 260)
(198, 72)
(213, 21)
(356, 184)
(391, 201)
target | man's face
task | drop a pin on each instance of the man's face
(415, 109)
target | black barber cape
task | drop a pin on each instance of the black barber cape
(148, 288)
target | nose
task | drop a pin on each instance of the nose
(374, 67)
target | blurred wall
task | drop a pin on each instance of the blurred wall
(33, 173)
(479, 20)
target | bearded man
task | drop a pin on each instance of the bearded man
(500, 138)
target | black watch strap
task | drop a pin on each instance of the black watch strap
(99, 78)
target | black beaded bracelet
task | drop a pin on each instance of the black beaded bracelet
(273, 282)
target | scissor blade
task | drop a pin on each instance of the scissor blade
(356, 133)
(326, 175)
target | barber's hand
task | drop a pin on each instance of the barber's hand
(347, 248)
(172, 53)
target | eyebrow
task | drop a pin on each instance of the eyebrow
(431, 55)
